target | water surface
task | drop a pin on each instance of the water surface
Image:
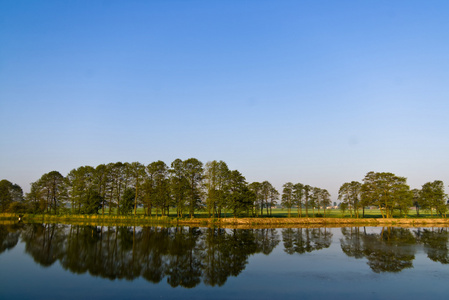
(45, 261)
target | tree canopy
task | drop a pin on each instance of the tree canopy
(189, 186)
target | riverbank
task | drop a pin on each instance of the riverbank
(224, 222)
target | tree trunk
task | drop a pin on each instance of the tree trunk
(266, 203)
(307, 208)
(135, 199)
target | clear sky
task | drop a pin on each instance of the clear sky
(317, 92)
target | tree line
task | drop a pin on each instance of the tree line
(391, 193)
(189, 186)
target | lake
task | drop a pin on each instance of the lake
(54, 261)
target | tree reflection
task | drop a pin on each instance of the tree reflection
(352, 244)
(226, 252)
(266, 240)
(303, 240)
(184, 256)
(9, 236)
(45, 242)
(435, 241)
(83, 249)
(187, 256)
(391, 250)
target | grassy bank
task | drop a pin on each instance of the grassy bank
(9, 216)
(112, 220)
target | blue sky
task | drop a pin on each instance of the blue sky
(318, 92)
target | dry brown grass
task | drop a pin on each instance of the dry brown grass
(8, 216)
(7, 222)
(311, 222)
(244, 223)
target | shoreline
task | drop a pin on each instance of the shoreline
(246, 223)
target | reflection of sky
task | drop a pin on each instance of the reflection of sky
(301, 91)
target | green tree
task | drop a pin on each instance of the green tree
(433, 197)
(266, 190)
(159, 186)
(325, 199)
(92, 202)
(274, 196)
(138, 176)
(178, 186)
(110, 186)
(385, 190)
(101, 182)
(52, 190)
(194, 175)
(118, 184)
(404, 199)
(127, 201)
(80, 181)
(307, 190)
(416, 200)
(256, 188)
(241, 198)
(314, 199)
(343, 208)
(298, 195)
(216, 180)
(10, 194)
(350, 193)
(34, 198)
(287, 197)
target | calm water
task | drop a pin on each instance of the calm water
(50, 261)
